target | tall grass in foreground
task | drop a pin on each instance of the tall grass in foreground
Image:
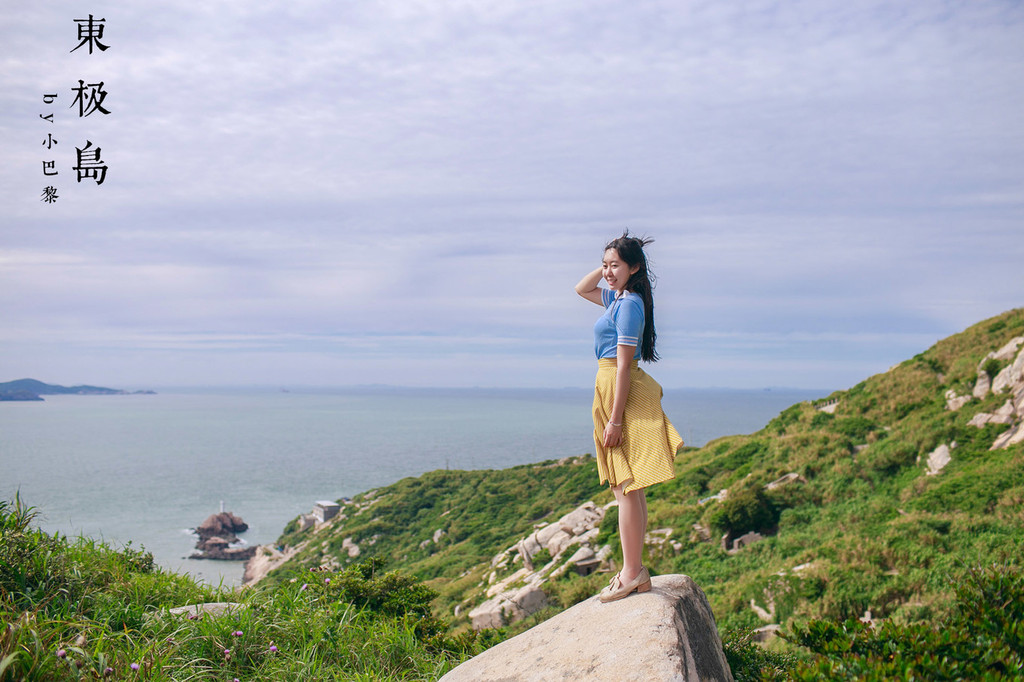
(77, 609)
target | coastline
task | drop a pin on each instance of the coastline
(158, 464)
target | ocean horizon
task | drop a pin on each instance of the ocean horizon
(146, 469)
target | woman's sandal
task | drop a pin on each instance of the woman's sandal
(616, 590)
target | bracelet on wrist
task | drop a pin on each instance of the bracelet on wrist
(614, 424)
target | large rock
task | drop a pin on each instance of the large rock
(265, 559)
(667, 634)
(1003, 380)
(217, 538)
(1011, 437)
(938, 459)
(1007, 351)
(222, 524)
(954, 402)
(982, 386)
(509, 607)
(1017, 369)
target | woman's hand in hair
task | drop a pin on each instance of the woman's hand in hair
(588, 289)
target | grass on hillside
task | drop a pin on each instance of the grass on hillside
(868, 531)
(939, 558)
(77, 609)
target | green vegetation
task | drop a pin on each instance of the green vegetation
(864, 528)
(478, 514)
(981, 639)
(73, 610)
(861, 527)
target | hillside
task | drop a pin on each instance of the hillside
(31, 389)
(855, 524)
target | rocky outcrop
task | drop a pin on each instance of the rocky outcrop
(742, 541)
(265, 559)
(516, 596)
(666, 634)
(982, 385)
(939, 458)
(1010, 379)
(954, 402)
(217, 539)
(224, 523)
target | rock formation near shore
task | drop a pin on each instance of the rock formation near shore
(667, 634)
(217, 534)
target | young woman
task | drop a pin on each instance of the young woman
(635, 443)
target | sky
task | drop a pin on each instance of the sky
(314, 193)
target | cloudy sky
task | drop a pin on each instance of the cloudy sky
(405, 191)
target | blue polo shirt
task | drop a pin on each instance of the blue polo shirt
(622, 323)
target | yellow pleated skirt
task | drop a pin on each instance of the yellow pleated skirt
(647, 452)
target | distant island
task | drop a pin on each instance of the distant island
(31, 389)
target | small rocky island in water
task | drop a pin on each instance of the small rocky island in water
(217, 534)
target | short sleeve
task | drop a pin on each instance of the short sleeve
(607, 296)
(629, 322)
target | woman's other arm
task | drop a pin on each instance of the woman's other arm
(587, 287)
(623, 363)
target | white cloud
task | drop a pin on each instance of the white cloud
(446, 171)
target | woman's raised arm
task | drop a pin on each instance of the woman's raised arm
(588, 289)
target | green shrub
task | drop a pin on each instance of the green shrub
(821, 419)
(751, 662)
(983, 638)
(854, 428)
(786, 418)
(747, 509)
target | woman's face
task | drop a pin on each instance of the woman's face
(615, 271)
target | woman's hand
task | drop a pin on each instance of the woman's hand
(612, 435)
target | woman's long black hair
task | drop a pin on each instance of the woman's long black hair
(641, 282)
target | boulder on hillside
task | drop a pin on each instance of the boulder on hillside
(954, 402)
(938, 459)
(1002, 382)
(983, 385)
(785, 480)
(667, 634)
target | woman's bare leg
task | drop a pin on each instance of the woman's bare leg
(643, 503)
(632, 527)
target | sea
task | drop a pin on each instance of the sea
(147, 469)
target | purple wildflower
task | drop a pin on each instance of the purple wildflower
(304, 586)
(237, 633)
(61, 653)
(134, 666)
(272, 649)
(327, 581)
